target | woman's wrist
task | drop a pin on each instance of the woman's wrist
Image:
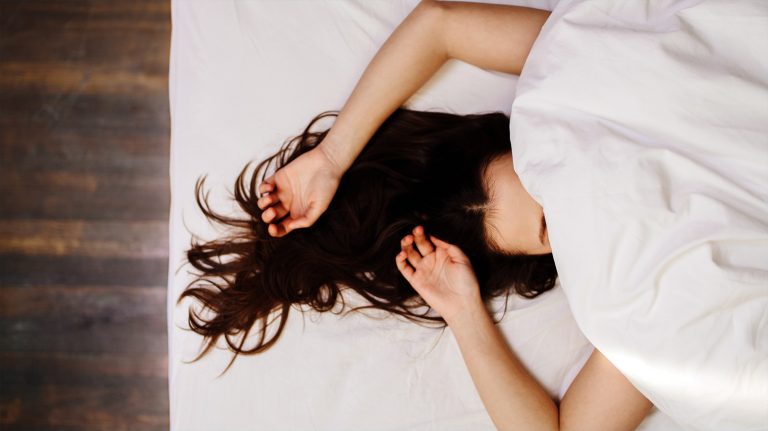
(331, 152)
(344, 143)
(468, 316)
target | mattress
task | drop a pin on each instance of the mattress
(244, 76)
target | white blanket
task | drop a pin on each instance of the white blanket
(642, 129)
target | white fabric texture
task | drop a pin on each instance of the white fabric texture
(244, 76)
(642, 130)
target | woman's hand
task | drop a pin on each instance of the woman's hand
(440, 272)
(299, 192)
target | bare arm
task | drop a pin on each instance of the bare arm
(600, 398)
(490, 36)
(513, 399)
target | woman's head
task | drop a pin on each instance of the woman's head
(420, 168)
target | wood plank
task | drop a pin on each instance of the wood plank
(63, 368)
(116, 111)
(121, 203)
(90, 179)
(137, 8)
(122, 407)
(92, 336)
(20, 270)
(102, 147)
(134, 9)
(82, 306)
(82, 29)
(85, 238)
(126, 339)
(37, 76)
(93, 319)
(117, 190)
(137, 169)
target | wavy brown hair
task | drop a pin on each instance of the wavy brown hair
(419, 168)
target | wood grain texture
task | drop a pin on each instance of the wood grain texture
(84, 201)
(94, 238)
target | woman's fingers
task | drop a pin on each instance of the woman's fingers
(274, 212)
(291, 223)
(266, 201)
(452, 251)
(268, 185)
(413, 256)
(438, 242)
(442, 244)
(403, 266)
(311, 215)
(422, 243)
(276, 230)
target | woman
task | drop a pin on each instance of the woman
(439, 268)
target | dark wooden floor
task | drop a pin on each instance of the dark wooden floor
(84, 200)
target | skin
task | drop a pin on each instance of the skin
(514, 220)
(600, 397)
(492, 37)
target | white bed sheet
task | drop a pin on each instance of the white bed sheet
(244, 76)
(642, 130)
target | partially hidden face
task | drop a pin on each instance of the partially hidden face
(514, 220)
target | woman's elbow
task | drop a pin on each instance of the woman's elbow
(430, 9)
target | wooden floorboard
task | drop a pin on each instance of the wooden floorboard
(84, 201)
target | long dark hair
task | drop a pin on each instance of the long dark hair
(420, 167)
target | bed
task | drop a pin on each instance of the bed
(244, 76)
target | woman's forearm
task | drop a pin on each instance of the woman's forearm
(408, 58)
(489, 36)
(512, 397)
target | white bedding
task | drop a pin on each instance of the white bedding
(642, 129)
(244, 76)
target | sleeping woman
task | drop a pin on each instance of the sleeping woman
(407, 209)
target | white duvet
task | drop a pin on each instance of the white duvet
(641, 127)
